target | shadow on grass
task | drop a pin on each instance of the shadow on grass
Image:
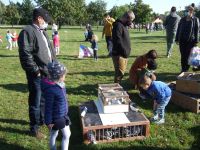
(8, 146)
(13, 130)
(86, 89)
(143, 38)
(9, 55)
(19, 87)
(196, 132)
(166, 77)
(150, 42)
(14, 121)
(76, 136)
(96, 73)
(66, 57)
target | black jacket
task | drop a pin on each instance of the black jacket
(192, 31)
(121, 40)
(33, 53)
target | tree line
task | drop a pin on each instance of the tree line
(76, 12)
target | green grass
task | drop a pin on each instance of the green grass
(181, 130)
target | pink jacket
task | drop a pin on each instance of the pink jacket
(56, 41)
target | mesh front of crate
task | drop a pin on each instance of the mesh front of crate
(119, 132)
(116, 133)
(95, 132)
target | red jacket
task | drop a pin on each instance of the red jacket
(56, 41)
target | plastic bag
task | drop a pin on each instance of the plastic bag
(194, 57)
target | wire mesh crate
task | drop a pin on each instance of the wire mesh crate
(95, 132)
(113, 98)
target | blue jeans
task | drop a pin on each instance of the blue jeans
(35, 102)
(160, 109)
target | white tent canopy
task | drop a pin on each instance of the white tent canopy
(158, 20)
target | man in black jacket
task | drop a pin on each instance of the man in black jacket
(187, 36)
(121, 44)
(35, 52)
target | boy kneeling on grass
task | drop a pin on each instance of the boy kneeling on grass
(161, 94)
(56, 104)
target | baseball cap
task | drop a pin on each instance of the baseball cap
(43, 13)
(56, 70)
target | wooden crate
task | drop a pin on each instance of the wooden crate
(106, 87)
(114, 108)
(138, 128)
(113, 98)
(188, 82)
(187, 101)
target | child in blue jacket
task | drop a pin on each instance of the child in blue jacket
(161, 94)
(94, 46)
(56, 104)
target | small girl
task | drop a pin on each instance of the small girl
(56, 42)
(161, 94)
(94, 46)
(9, 37)
(14, 39)
(56, 104)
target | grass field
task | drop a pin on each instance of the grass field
(181, 130)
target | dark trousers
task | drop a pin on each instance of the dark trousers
(35, 102)
(95, 54)
(109, 44)
(185, 49)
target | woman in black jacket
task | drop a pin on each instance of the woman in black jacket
(187, 36)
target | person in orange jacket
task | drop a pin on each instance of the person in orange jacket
(107, 31)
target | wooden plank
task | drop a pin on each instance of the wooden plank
(186, 101)
(188, 82)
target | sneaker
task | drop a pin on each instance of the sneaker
(154, 118)
(169, 55)
(161, 121)
(39, 135)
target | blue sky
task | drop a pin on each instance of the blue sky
(158, 6)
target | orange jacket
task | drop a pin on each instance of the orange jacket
(139, 63)
(107, 29)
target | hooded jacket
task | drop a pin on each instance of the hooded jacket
(171, 23)
(121, 40)
(56, 104)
